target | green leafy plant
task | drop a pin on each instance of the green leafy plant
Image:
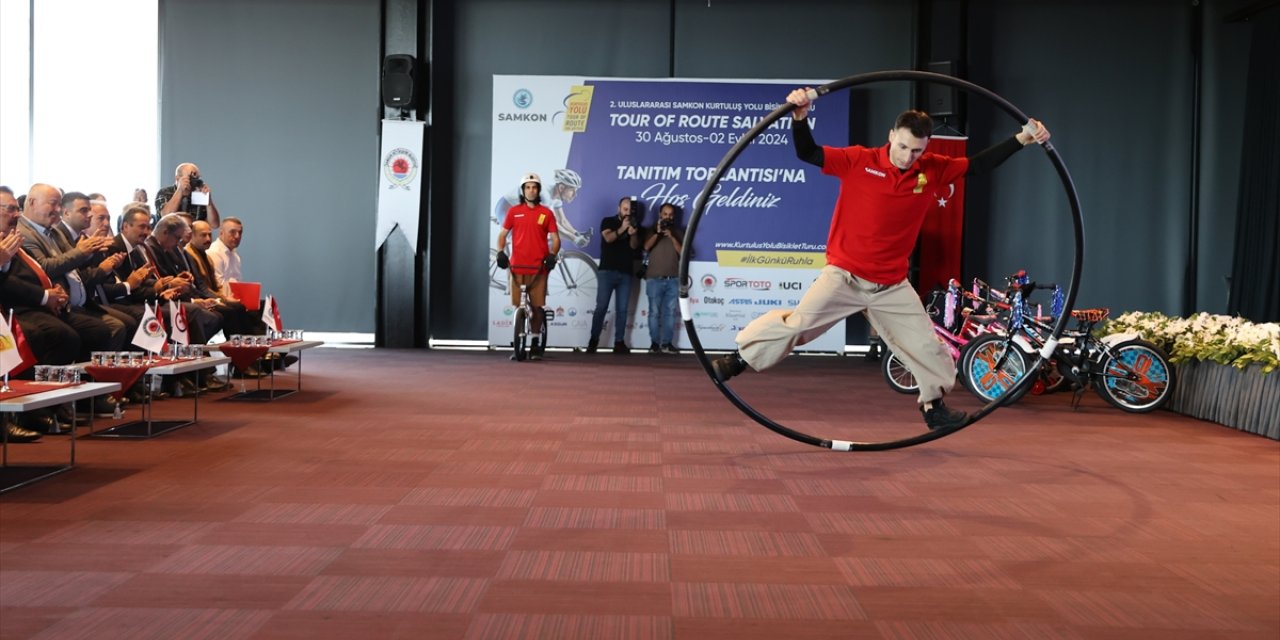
(1205, 336)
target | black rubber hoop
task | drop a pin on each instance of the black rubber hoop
(786, 108)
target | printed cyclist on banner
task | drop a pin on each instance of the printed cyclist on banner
(574, 277)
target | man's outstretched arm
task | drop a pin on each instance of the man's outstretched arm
(806, 149)
(991, 157)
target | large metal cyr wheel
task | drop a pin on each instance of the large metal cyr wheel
(785, 109)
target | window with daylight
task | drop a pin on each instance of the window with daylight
(78, 96)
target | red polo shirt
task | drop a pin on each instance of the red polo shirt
(529, 227)
(881, 208)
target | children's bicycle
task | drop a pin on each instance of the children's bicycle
(944, 308)
(1129, 373)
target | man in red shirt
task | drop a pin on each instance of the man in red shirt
(885, 193)
(530, 224)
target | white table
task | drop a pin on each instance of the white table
(148, 427)
(271, 393)
(14, 476)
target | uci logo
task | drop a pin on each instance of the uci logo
(523, 98)
(789, 286)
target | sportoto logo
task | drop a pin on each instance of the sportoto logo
(743, 283)
(708, 282)
(523, 99)
(400, 167)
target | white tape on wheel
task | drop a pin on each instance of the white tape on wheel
(1030, 129)
(841, 445)
(1046, 352)
(685, 313)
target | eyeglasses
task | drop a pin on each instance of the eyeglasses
(9, 208)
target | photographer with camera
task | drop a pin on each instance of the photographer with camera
(189, 192)
(619, 239)
(663, 242)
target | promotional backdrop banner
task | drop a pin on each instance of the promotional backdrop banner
(399, 180)
(593, 141)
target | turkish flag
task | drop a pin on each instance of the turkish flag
(16, 353)
(942, 236)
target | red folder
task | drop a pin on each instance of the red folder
(248, 293)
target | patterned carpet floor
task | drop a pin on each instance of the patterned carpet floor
(447, 494)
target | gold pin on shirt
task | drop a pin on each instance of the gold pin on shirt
(921, 181)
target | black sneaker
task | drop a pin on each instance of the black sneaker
(726, 367)
(591, 346)
(941, 417)
(535, 350)
(653, 348)
(670, 348)
(620, 347)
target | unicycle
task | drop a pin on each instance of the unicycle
(523, 327)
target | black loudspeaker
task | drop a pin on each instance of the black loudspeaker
(397, 81)
(940, 100)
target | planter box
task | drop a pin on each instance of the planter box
(1242, 398)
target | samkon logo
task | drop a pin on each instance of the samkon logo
(523, 98)
(522, 117)
(742, 283)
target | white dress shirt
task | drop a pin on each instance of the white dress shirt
(226, 262)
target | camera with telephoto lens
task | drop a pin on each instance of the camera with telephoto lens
(643, 268)
(197, 183)
(665, 224)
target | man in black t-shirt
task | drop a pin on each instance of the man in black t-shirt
(619, 239)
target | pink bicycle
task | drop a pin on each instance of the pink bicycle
(895, 371)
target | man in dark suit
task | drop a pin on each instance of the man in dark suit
(162, 251)
(157, 287)
(49, 269)
(38, 306)
(96, 272)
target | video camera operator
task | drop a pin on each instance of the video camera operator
(619, 239)
(663, 242)
(189, 192)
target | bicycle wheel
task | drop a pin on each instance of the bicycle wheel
(991, 365)
(1136, 377)
(573, 279)
(897, 374)
(497, 275)
(520, 342)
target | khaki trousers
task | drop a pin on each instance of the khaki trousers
(894, 310)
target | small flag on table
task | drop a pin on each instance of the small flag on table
(150, 334)
(15, 353)
(178, 320)
(271, 315)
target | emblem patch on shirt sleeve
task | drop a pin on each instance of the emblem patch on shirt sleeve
(542, 219)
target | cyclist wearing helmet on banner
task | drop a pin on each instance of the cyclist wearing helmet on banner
(562, 192)
(530, 224)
